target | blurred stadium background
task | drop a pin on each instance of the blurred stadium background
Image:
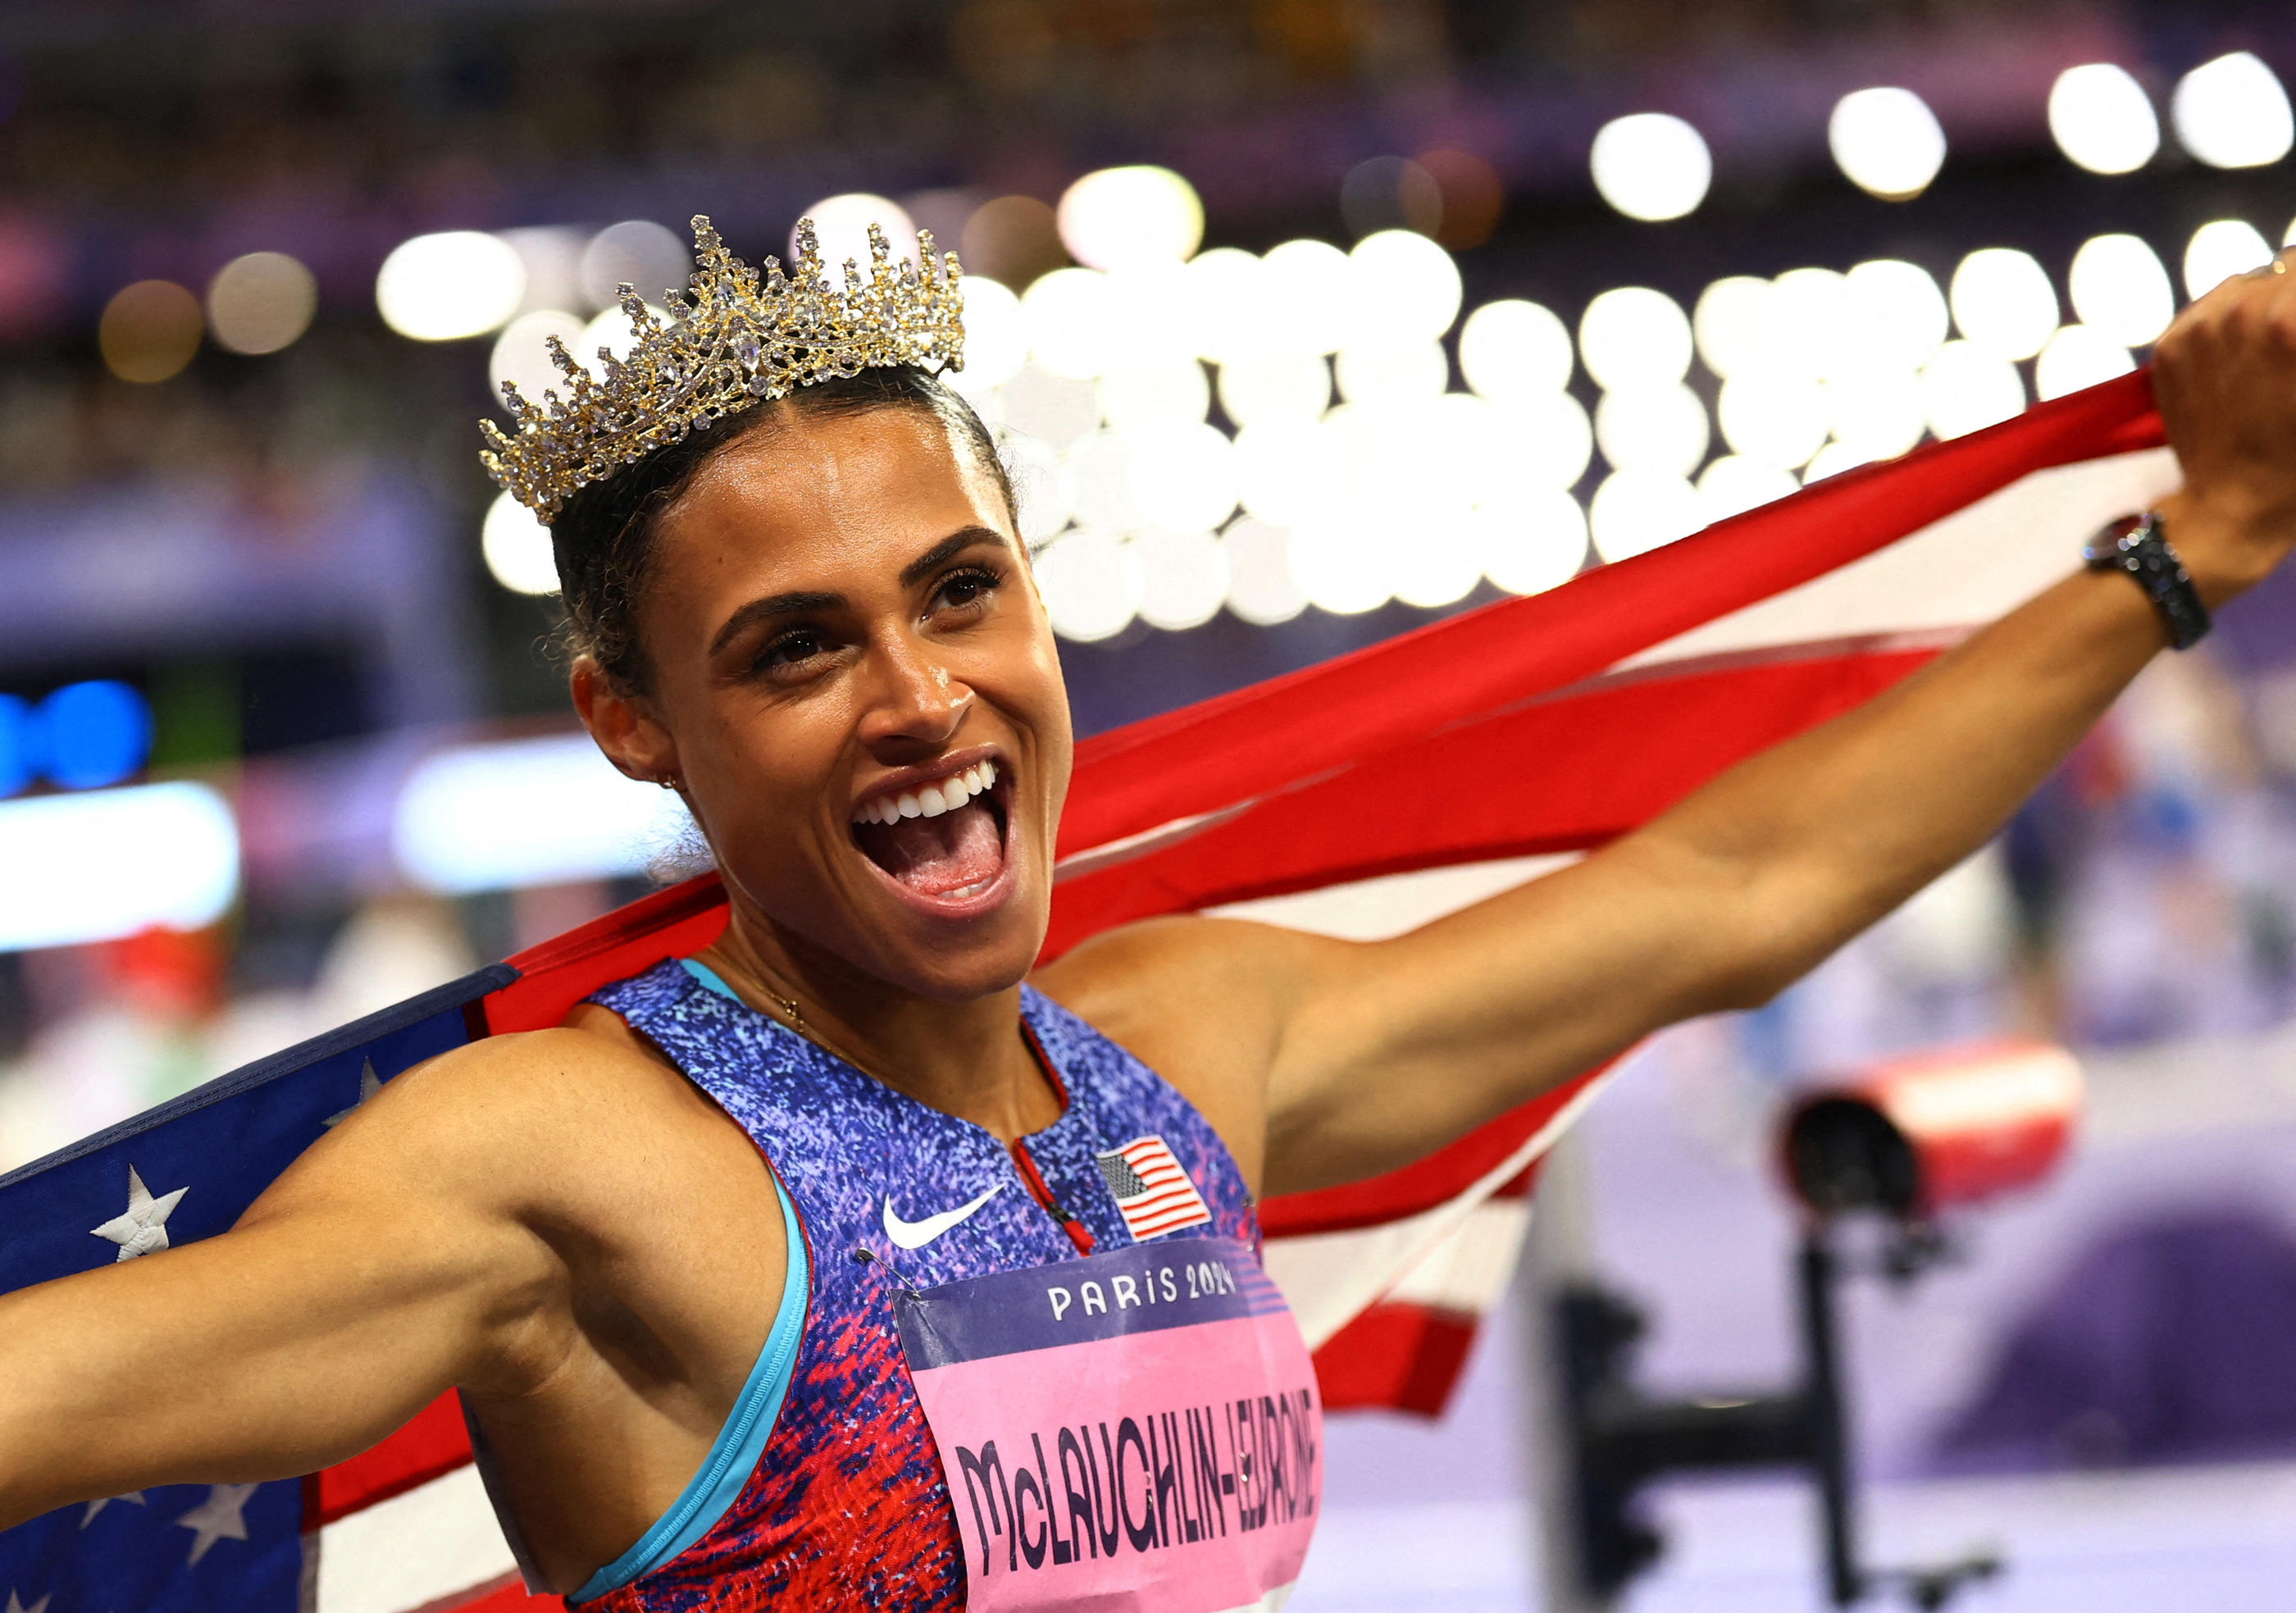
(1304, 322)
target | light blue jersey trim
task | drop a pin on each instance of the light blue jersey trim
(733, 1455)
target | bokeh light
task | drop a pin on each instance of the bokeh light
(1279, 468)
(1833, 460)
(2120, 286)
(2004, 302)
(1544, 440)
(1635, 512)
(1340, 554)
(1894, 315)
(1308, 289)
(1100, 468)
(1184, 478)
(1406, 289)
(1060, 410)
(1392, 372)
(2233, 114)
(261, 302)
(1183, 575)
(614, 331)
(1222, 297)
(1967, 388)
(150, 330)
(1728, 323)
(1276, 384)
(90, 734)
(1070, 316)
(649, 257)
(1513, 348)
(1773, 417)
(449, 286)
(1138, 217)
(1887, 141)
(1090, 584)
(1155, 399)
(1658, 428)
(1651, 166)
(1633, 335)
(1440, 564)
(18, 763)
(2220, 250)
(996, 335)
(1531, 543)
(522, 353)
(516, 546)
(1260, 587)
(1734, 484)
(2077, 356)
(842, 224)
(2103, 120)
(1388, 193)
(1473, 196)
(1805, 320)
(1876, 414)
(1011, 239)
(1043, 487)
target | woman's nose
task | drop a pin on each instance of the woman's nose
(917, 698)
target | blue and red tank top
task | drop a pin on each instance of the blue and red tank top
(825, 1488)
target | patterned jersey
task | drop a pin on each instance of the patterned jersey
(847, 1508)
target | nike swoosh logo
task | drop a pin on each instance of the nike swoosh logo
(916, 1234)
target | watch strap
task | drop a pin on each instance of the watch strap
(2138, 546)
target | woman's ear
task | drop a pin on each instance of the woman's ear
(624, 724)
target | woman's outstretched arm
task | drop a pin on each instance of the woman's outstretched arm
(398, 1257)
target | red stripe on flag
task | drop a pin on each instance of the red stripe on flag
(1144, 1203)
(1405, 1357)
(435, 1442)
(507, 1594)
(1193, 1216)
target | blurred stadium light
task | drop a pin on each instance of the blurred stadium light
(110, 863)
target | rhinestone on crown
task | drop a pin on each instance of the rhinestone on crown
(731, 342)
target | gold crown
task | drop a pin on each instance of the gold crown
(730, 344)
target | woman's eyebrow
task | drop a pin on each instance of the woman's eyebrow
(948, 549)
(773, 605)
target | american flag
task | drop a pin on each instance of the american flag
(1152, 1188)
(1498, 744)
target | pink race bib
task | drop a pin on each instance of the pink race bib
(1136, 1430)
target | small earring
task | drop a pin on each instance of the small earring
(667, 781)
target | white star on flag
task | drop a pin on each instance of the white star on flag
(17, 1606)
(369, 1085)
(135, 1498)
(217, 1518)
(142, 1229)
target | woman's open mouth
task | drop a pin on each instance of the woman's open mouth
(943, 842)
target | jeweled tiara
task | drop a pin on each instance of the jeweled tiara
(731, 342)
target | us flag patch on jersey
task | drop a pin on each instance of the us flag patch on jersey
(1152, 1189)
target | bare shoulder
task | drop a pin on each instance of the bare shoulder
(1205, 1002)
(513, 1118)
(1136, 973)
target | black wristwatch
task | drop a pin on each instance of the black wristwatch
(2136, 544)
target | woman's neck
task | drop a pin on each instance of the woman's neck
(967, 1059)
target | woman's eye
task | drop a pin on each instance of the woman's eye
(965, 587)
(790, 648)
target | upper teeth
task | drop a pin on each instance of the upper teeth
(930, 801)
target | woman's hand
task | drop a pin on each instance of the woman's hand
(2225, 375)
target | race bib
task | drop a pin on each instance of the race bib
(1136, 1430)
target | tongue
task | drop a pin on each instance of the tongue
(936, 855)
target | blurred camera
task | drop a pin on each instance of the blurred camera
(1916, 1135)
